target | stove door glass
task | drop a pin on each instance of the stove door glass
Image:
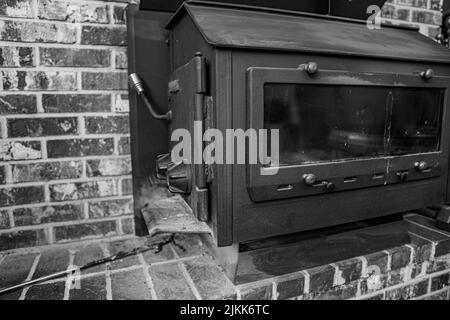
(323, 123)
(416, 120)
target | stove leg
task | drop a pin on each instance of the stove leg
(443, 218)
(227, 257)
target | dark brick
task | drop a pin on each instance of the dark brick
(31, 31)
(62, 11)
(127, 226)
(377, 261)
(47, 214)
(88, 254)
(397, 277)
(290, 286)
(92, 288)
(42, 127)
(14, 269)
(22, 239)
(321, 278)
(257, 291)
(2, 175)
(82, 190)
(124, 145)
(209, 280)
(108, 167)
(422, 253)
(80, 147)
(21, 195)
(374, 283)
(62, 103)
(130, 285)
(391, 12)
(427, 17)
(338, 293)
(18, 150)
(114, 124)
(350, 270)
(417, 270)
(115, 36)
(379, 296)
(62, 57)
(121, 103)
(440, 282)
(51, 261)
(17, 104)
(442, 248)
(16, 57)
(119, 15)
(4, 220)
(121, 60)
(16, 8)
(400, 257)
(439, 264)
(408, 292)
(170, 283)
(78, 231)
(127, 187)
(438, 296)
(14, 295)
(191, 243)
(52, 291)
(39, 80)
(104, 80)
(110, 208)
(45, 171)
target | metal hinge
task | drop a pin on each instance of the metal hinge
(208, 124)
(201, 171)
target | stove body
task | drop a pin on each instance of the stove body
(363, 116)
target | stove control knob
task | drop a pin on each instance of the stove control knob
(179, 178)
(427, 74)
(309, 179)
(163, 162)
(421, 165)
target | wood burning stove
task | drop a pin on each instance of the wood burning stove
(363, 117)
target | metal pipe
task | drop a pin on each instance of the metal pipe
(137, 85)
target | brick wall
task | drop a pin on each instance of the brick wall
(64, 149)
(424, 14)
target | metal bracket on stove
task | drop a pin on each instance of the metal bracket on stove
(172, 215)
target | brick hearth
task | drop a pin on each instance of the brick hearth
(419, 270)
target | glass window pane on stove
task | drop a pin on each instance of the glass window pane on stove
(416, 120)
(321, 123)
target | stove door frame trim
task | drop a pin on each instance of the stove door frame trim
(264, 187)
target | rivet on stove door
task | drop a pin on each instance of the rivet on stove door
(427, 74)
(309, 179)
(310, 68)
(421, 165)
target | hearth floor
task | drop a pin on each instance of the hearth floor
(184, 269)
(146, 276)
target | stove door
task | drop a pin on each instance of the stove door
(417, 134)
(342, 131)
